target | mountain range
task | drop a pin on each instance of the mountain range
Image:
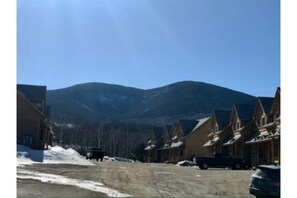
(92, 102)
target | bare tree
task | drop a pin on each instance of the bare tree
(99, 134)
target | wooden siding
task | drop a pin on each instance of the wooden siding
(195, 141)
(29, 124)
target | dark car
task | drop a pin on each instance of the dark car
(265, 182)
(95, 153)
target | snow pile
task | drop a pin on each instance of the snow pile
(116, 159)
(55, 155)
(59, 155)
(185, 163)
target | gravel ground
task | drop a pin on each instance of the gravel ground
(138, 180)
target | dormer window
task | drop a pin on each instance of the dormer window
(263, 121)
(258, 121)
(213, 129)
(217, 128)
(237, 125)
(234, 126)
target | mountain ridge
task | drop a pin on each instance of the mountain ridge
(101, 101)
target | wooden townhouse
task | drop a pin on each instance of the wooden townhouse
(187, 139)
(181, 129)
(220, 132)
(243, 127)
(261, 143)
(153, 144)
(251, 132)
(165, 143)
(33, 127)
(275, 137)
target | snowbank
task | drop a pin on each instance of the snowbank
(185, 163)
(55, 155)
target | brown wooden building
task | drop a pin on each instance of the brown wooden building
(243, 128)
(261, 143)
(187, 139)
(33, 127)
(251, 132)
(181, 129)
(220, 132)
(266, 143)
(165, 143)
(153, 144)
(275, 111)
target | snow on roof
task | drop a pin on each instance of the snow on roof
(55, 155)
(150, 147)
(232, 140)
(201, 122)
(211, 142)
(176, 144)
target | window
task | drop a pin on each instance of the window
(234, 127)
(41, 134)
(217, 128)
(254, 151)
(181, 153)
(261, 152)
(268, 173)
(276, 149)
(237, 125)
(259, 122)
(263, 121)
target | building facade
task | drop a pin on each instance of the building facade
(33, 128)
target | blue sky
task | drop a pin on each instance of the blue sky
(150, 43)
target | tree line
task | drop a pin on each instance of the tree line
(116, 139)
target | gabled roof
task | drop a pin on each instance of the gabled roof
(22, 98)
(200, 122)
(276, 100)
(222, 116)
(33, 92)
(266, 103)
(245, 111)
(188, 125)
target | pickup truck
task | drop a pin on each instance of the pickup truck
(219, 160)
(95, 153)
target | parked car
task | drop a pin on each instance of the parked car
(265, 182)
(95, 153)
(219, 160)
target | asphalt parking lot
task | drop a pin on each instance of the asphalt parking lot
(131, 179)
